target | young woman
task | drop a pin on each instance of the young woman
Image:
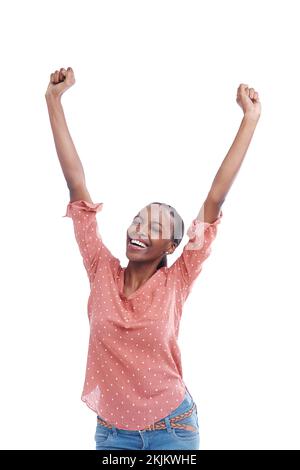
(134, 381)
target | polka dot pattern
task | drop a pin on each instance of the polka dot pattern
(133, 372)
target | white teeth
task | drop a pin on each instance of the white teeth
(137, 242)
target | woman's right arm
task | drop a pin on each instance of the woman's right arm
(68, 157)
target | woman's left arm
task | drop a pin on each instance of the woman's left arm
(248, 99)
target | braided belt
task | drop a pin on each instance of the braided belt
(162, 424)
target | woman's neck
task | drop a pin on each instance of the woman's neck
(136, 274)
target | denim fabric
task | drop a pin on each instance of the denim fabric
(159, 439)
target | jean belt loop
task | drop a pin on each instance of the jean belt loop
(114, 430)
(168, 424)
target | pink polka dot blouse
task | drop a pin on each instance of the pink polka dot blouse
(133, 371)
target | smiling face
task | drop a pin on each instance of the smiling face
(152, 226)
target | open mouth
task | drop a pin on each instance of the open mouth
(136, 244)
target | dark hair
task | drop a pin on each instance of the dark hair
(178, 230)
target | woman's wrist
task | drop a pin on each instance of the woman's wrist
(52, 98)
(251, 117)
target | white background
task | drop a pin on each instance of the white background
(152, 114)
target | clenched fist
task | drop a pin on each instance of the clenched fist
(60, 81)
(248, 99)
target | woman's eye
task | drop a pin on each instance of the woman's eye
(154, 226)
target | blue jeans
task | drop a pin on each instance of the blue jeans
(163, 439)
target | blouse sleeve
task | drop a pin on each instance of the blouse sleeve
(87, 235)
(189, 264)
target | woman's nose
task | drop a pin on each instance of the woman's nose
(138, 227)
(139, 230)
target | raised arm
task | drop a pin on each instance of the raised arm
(248, 99)
(68, 157)
(81, 208)
(203, 229)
